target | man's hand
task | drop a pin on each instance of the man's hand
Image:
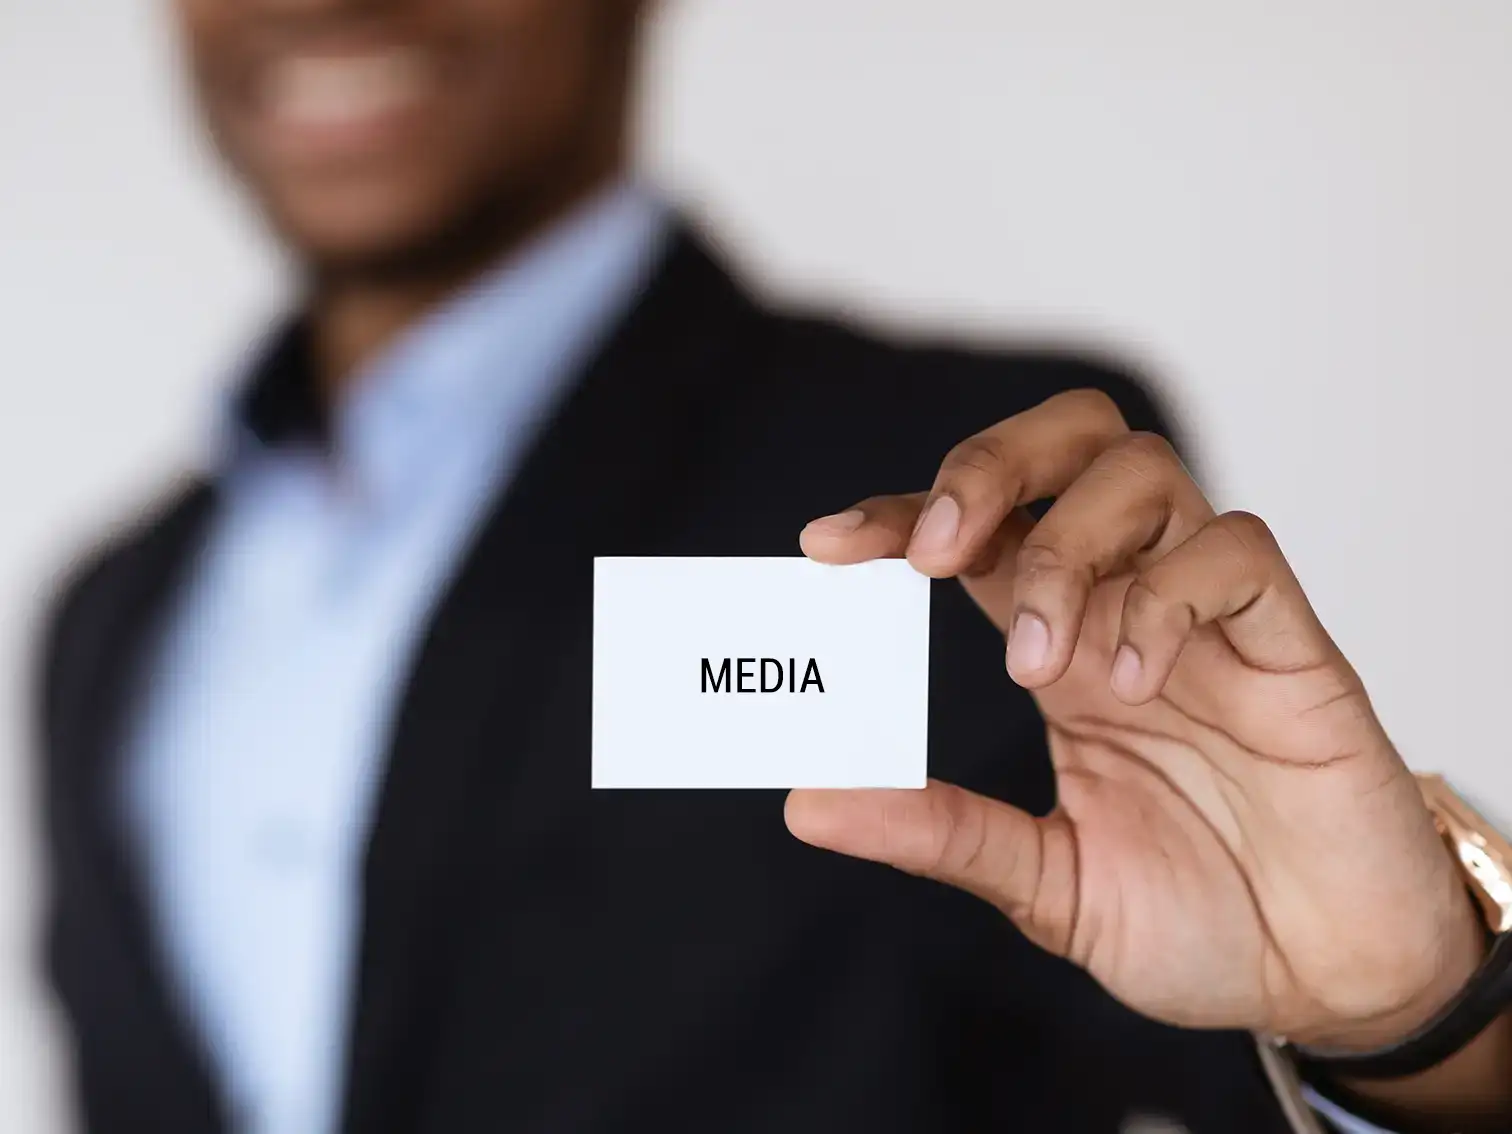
(1236, 842)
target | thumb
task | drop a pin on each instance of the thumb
(944, 832)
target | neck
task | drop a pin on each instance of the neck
(355, 313)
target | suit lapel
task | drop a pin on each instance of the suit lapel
(106, 659)
(596, 482)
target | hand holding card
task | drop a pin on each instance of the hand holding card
(1219, 769)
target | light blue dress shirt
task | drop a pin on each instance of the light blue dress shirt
(253, 764)
(254, 761)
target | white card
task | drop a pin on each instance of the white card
(759, 673)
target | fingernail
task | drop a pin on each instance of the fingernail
(1028, 644)
(838, 524)
(1128, 669)
(937, 530)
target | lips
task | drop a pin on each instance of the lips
(330, 105)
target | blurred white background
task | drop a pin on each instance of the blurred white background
(1297, 213)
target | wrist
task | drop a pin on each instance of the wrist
(1471, 1090)
(1443, 1060)
(1464, 944)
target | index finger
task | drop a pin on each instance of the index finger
(1030, 456)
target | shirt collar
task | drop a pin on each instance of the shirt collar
(484, 368)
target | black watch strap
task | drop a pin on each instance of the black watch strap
(1481, 1001)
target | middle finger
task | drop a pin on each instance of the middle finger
(1134, 503)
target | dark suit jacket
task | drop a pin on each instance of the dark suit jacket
(539, 957)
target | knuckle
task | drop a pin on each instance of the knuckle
(1143, 603)
(1251, 532)
(1038, 558)
(1147, 456)
(1146, 604)
(1095, 406)
(964, 843)
(1153, 447)
(983, 453)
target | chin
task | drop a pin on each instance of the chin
(373, 231)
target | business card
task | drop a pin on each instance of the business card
(759, 673)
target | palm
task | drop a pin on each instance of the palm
(1166, 808)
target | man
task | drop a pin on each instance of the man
(323, 851)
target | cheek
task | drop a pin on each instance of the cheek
(536, 86)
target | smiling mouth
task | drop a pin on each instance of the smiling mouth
(327, 103)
